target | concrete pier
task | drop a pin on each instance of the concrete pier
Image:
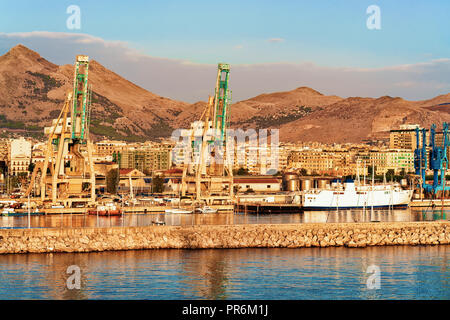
(224, 236)
(428, 203)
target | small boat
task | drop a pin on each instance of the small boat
(175, 210)
(206, 209)
(8, 211)
(107, 209)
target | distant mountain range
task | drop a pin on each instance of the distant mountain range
(32, 91)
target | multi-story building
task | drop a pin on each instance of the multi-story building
(20, 156)
(104, 150)
(404, 138)
(313, 161)
(5, 150)
(148, 157)
(383, 160)
(351, 161)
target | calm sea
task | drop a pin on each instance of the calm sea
(81, 220)
(406, 272)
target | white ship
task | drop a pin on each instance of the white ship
(177, 210)
(351, 196)
(206, 209)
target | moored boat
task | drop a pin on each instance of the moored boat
(8, 211)
(206, 209)
(177, 210)
(11, 212)
(107, 209)
(351, 196)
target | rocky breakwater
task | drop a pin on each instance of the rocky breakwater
(224, 236)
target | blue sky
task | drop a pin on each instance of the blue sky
(329, 34)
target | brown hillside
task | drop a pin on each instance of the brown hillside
(32, 91)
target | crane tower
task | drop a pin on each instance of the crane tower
(213, 123)
(69, 150)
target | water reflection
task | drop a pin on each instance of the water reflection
(308, 273)
(81, 220)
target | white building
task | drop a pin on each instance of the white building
(20, 155)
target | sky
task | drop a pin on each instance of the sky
(172, 47)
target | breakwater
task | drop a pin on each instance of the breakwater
(223, 236)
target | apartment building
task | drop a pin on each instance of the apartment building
(397, 160)
(149, 157)
(5, 150)
(20, 156)
(104, 150)
(404, 138)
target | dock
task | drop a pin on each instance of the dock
(158, 209)
(267, 208)
(425, 203)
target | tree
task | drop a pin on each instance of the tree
(249, 190)
(241, 172)
(112, 181)
(303, 172)
(390, 174)
(31, 167)
(403, 173)
(158, 184)
(370, 169)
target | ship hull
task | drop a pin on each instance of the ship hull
(383, 207)
(351, 197)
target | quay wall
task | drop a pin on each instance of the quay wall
(224, 236)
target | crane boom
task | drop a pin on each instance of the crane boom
(222, 100)
(80, 101)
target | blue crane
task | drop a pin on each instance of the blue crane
(438, 161)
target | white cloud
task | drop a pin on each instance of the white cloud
(188, 81)
(275, 40)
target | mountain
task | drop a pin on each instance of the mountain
(275, 109)
(266, 110)
(32, 92)
(357, 119)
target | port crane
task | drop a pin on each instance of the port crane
(67, 173)
(213, 124)
(435, 158)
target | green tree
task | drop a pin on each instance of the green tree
(241, 172)
(390, 174)
(158, 184)
(31, 167)
(403, 173)
(249, 190)
(112, 181)
(370, 169)
(14, 182)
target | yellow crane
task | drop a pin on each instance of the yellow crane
(68, 158)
